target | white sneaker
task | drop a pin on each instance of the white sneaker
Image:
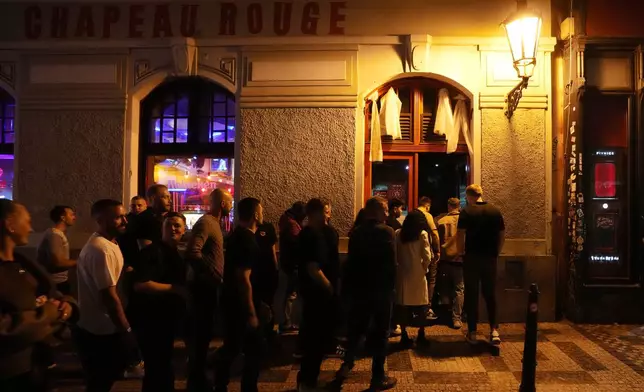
(495, 338)
(470, 337)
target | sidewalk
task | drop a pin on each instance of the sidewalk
(570, 358)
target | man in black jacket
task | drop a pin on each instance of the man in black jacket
(370, 277)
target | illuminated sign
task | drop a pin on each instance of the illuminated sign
(604, 259)
(605, 153)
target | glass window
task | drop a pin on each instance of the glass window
(605, 176)
(173, 121)
(6, 176)
(390, 179)
(192, 179)
(7, 116)
(189, 145)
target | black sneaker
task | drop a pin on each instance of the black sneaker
(344, 371)
(406, 341)
(384, 384)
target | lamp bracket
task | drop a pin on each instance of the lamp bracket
(514, 96)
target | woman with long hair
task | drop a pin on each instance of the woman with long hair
(413, 254)
(31, 309)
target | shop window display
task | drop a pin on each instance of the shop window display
(191, 180)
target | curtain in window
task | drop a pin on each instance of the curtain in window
(461, 125)
(376, 141)
(390, 107)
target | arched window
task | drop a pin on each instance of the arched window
(7, 126)
(417, 164)
(188, 142)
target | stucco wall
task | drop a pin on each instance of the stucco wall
(68, 157)
(296, 154)
(513, 170)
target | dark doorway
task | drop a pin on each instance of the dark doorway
(441, 176)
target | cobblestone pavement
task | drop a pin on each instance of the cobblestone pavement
(570, 358)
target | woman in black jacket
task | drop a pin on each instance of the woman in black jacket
(31, 310)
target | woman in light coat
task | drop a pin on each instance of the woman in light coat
(413, 254)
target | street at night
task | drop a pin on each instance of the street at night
(570, 358)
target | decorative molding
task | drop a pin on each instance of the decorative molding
(142, 70)
(301, 61)
(416, 53)
(299, 101)
(528, 101)
(227, 68)
(184, 56)
(74, 73)
(300, 78)
(8, 73)
(300, 72)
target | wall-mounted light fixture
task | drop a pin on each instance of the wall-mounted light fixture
(523, 29)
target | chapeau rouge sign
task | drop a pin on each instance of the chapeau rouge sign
(210, 19)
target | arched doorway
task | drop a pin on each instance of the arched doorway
(417, 164)
(7, 128)
(187, 142)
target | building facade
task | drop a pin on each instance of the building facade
(603, 74)
(274, 100)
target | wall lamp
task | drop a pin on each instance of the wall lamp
(523, 29)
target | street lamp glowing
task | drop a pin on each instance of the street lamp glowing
(523, 30)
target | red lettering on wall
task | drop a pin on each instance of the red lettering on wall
(85, 22)
(228, 19)
(161, 26)
(255, 18)
(188, 26)
(59, 18)
(337, 17)
(111, 15)
(310, 17)
(33, 22)
(282, 18)
(136, 20)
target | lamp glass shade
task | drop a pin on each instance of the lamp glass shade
(523, 31)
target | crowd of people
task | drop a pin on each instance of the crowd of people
(138, 290)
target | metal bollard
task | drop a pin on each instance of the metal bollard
(529, 371)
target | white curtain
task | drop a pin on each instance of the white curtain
(444, 122)
(461, 125)
(390, 107)
(375, 154)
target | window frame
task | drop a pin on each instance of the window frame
(6, 100)
(410, 149)
(199, 92)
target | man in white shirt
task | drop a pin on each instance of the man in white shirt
(104, 338)
(53, 250)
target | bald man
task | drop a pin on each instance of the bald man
(205, 253)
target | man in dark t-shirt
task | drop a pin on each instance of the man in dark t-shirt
(480, 237)
(369, 280)
(265, 277)
(395, 211)
(242, 313)
(158, 303)
(318, 273)
(147, 227)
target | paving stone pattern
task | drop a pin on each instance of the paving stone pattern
(570, 358)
